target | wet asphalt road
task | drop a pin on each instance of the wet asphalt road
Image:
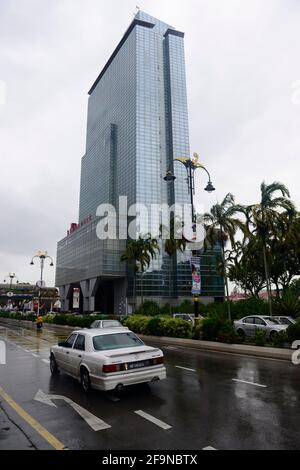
(204, 400)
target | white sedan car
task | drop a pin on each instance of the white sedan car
(107, 359)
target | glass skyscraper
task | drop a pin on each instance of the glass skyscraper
(137, 124)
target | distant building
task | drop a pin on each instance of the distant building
(20, 296)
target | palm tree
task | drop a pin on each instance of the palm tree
(172, 244)
(265, 216)
(138, 255)
(221, 227)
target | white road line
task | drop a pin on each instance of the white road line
(153, 420)
(249, 383)
(186, 368)
(35, 355)
(46, 361)
(209, 448)
(93, 421)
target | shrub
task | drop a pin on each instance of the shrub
(226, 333)
(177, 328)
(185, 307)
(260, 337)
(155, 327)
(240, 309)
(211, 327)
(288, 305)
(293, 332)
(280, 339)
(159, 326)
(29, 316)
(16, 315)
(48, 318)
(136, 323)
(4, 314)
(166, 310)
(60, 319)
(149, 308)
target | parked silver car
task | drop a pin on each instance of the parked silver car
(107, 324)
(285, 320)
(185, 316)
(248, 325)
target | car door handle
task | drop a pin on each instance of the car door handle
(79, 355)
(67, 352)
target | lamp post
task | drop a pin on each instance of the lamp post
(11, 277)
(42, 255)
(191, 165)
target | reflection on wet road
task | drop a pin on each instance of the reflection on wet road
(208, 400)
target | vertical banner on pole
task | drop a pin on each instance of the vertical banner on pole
(76, 295)
(196, 277)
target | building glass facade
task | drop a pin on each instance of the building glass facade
(137, 125)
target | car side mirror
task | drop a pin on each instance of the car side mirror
(63, 344)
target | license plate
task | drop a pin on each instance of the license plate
(138, 364)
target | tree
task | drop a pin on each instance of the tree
(138, 255)
(172, 244)
(264, 217)
(245, 266)
(221, 226)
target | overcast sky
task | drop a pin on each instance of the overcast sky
(243, 77)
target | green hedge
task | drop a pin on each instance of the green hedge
(82, 321)
(217, 328)
(239, 309)
(293, 332)
(159, 326)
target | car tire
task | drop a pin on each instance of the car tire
(85, 380)
(272, 335)
(241, 333)
(53, 365)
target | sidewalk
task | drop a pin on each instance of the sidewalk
(210, 346)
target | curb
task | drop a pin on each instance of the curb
(210, 346)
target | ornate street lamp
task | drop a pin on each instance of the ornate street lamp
(191, 165)
(42, 255)
(11, 277)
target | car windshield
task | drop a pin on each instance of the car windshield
(111, 323)
(272, 321)
(116, 341)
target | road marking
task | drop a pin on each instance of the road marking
(52, 440)
(186, 368)
(35, 355)
(153, 420)
(46, 361)
(249, 383)
(209, 448)
(93, 421)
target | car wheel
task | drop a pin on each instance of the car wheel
(273, 334)
(53, 366)
(85, 380)
(241, 333)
